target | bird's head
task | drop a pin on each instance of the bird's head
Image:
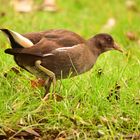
(104, 42)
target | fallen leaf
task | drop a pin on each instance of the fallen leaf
(61, 136)
(132, 36)
(37, 83)
(2, 14)
(32, 131)
(34, 84)
(131, 5)
(100, 133)
(132, 137)
(109, 24)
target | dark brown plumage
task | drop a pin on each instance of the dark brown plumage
(57, 53)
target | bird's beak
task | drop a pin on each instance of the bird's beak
(116, 47)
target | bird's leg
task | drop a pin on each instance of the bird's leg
(51, 75)
(48, 82)
(47, 86)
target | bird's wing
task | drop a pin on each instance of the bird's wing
(35, 37)
(51, 41)
(62, 37)
(44, 46)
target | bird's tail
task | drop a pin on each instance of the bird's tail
(13, 51)
(16, 39)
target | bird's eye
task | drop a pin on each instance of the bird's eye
(109, 39)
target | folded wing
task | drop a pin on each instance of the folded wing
(47, 42)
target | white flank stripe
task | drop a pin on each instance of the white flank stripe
(48, 54)
(66, 48)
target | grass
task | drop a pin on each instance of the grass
(96, 104)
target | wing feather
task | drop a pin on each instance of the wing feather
(49, 41)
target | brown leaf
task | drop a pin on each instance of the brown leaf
(31, 131)
(34, 84)
(132, 36)
(37, 83)
(109, 24)
(61, 136)
(2, 14)
(27, 133)
(132, 137)
(131, 5)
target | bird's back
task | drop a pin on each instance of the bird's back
(62, 37)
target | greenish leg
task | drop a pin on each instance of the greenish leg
(49, 73)
(47, 85)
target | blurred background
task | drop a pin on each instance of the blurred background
(84, 17)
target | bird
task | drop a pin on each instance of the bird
(57, 53)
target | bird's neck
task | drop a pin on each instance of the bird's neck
(93, 47)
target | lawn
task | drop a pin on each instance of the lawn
(103, 103)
